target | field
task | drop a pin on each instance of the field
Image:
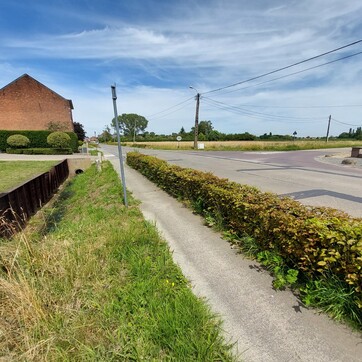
(15, 173)
(248, 145)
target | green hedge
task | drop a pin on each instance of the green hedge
(317, 241)
(38, 139)
(40, 151)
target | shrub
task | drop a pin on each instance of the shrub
(318, 242)
(58, 140)
(40, 151)
(18, 141)
(38, 139)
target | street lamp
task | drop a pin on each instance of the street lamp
(196, 116)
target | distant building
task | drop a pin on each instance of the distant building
(26, 104)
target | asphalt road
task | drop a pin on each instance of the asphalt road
(265, 324)
(295, 173)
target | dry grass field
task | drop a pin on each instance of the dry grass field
(248, 145)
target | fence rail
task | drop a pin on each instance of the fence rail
(17, 205)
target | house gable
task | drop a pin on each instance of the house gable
(26, 104)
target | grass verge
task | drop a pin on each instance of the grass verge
(14, 173)
(92, 280)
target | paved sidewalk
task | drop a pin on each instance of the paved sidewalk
(267, 325)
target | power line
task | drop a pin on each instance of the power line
(257, 115)
(176, 105)
(303, 107)
(294, 73)
(348, 124)
(247, 111)
(283, 68)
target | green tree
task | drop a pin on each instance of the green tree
(130, 123)
(358, 134)
(205, 127)
(106, 135)
(79, 130)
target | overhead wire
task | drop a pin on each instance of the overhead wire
(165, 110)
(258, 115)
(294, 73)
(302, 107)
(348, 124)
(283, 68)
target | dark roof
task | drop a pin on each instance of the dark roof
(28, 76)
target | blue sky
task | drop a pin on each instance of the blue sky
(154, 50)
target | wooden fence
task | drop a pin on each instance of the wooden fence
(17, 205)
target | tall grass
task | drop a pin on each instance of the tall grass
(248, 145)
(92, 280)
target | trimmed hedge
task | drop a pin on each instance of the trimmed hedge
(38, 139)
(40, 151)
(58, 140)
(317, 241)
(18, 140)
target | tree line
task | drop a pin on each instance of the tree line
(133, 127)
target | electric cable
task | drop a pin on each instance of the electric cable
(283, 68)
(348, 124)
(294, 73)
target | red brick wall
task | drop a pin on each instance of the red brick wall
(26, 104)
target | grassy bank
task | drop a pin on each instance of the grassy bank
(248, 145)
(14, 173)
(91, 280)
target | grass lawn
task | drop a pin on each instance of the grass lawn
(14, 173)
(91, 280)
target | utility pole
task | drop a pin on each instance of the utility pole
(134, 131)
(329, 125)
(196, 130)
(114, 97)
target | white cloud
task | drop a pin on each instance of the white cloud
(207, 45)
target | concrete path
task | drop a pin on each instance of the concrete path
(266, 325)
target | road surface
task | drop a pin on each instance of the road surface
(294, 173)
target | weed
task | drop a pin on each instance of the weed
(333, 297)
(283, 276)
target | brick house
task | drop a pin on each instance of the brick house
(26, 104)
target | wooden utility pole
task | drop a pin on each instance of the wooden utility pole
(329, 125)
(197, 120)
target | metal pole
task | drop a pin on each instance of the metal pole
(114, 97)
(329, 124)
(197, 120)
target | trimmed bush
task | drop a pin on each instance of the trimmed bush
(40, 151)
(18, 141)
(318, 242)
(38, 139)
(58, 140)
